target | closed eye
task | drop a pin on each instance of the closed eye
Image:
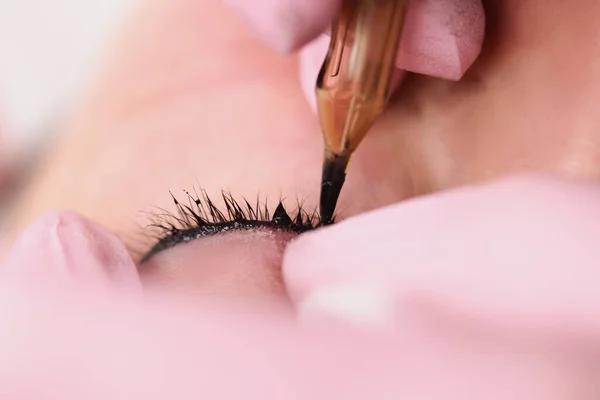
(200, 217)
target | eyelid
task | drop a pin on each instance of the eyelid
(238, 264)
(201, 218)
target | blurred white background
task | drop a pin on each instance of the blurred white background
(48, 50)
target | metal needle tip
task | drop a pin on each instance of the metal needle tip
(334, 175)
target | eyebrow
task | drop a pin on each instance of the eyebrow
(200, 217)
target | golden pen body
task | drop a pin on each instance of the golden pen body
(353, 86)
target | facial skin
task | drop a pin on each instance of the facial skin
(189, 97)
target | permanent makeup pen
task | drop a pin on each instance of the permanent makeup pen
(353, 86)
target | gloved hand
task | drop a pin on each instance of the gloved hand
(518, 257)
(482, 293)
(442, 38)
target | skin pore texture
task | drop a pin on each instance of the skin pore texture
(190, 97)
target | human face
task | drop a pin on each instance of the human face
(189, 98)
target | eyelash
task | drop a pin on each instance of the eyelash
(200, 217)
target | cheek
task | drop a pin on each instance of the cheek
(238, 266)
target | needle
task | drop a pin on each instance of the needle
(353, 86)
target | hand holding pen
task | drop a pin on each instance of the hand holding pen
(371, 42)
(442, 38)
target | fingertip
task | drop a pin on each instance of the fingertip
(318, 259)
(62, 247)
(286, 25)
(328, 292)
(442, 38)
(298, 255)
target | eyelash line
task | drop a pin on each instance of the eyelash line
(201, 218)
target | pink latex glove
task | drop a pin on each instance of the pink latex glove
(442, 38)
(517, 257)
(453, 307)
